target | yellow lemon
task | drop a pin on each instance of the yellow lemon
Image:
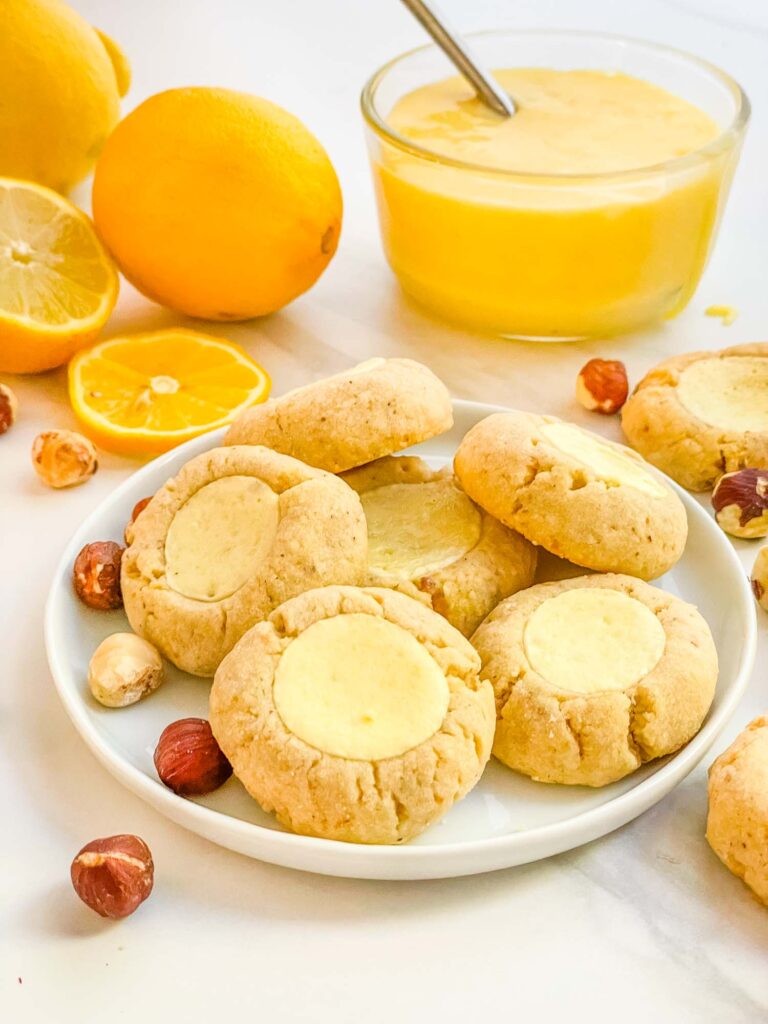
(60, 88)
(57, 283)
(218, 204)
(145, 393)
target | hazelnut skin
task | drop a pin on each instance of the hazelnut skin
(602, 386)
(114, 875)
(740, 501)
(123, 669)
(189, 760)
(138, 508)
(96, 575)
(63, 458)
(760, 578)
(8, 408)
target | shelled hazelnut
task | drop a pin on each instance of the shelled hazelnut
(96, 575)
(189, 760)
(602, 386)
(760, 578)
(740, 501)
(123, 669)
(63, 458)
(9, 406)
(138, 508)
(113, 876)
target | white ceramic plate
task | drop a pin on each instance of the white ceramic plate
(506, 820)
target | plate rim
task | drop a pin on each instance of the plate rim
(398, 862)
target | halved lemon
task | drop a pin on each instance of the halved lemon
(57, 283)
(145, 393)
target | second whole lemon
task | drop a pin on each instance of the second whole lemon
(217, 203)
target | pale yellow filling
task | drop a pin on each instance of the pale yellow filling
(729, 393)
(593, 639)
(608, 462)
(416, 529)
(360, 687)
(219, 536)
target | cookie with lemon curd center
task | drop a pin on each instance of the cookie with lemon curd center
(583, 498)
(594, 676)
(428, 539)
(354, 714)
(376, 408)
(234, 533)
(699, 415)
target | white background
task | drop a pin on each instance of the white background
(643, 925)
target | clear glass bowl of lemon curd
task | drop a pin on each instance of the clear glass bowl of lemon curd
(591, 212)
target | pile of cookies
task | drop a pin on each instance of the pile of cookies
(374, 626)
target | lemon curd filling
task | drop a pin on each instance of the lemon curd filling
(360, 687)
(219, 536)
(590, 640)
(607, 462)
(526, 235)
(568, 122)
(730, 393)
(416, 529)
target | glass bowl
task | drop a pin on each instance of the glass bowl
(552, 257)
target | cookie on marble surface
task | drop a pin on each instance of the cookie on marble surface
(376, 408)
(234, 534)
(737, 823)
(700, 415)
(583, 498)
(594, 676)
(426, 538)
(354, 714)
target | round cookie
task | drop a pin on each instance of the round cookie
(593, 676)
(376, 408)
(737, 823)
(700, 415)
(426, 538)
(237, 532)
(354, 714)
(581, 497)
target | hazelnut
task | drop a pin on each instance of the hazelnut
(602, 385)
(740, 501)
(113, 876)
(96, 575)
(123, 669)
(760, 578)
(63, 458)
(138, 508)
(8, 408)
(189, 760)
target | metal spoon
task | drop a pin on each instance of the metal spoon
(455, 48)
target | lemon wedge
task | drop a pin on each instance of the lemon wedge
(57, 283)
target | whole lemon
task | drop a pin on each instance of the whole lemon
(216, 203)
(59, 92)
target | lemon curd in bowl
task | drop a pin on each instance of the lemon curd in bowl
(590, 212)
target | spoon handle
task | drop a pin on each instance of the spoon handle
(455, 48)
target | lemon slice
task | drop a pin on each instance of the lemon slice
(57, 283)
(146, 393)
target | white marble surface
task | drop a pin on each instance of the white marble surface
(643, 925)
